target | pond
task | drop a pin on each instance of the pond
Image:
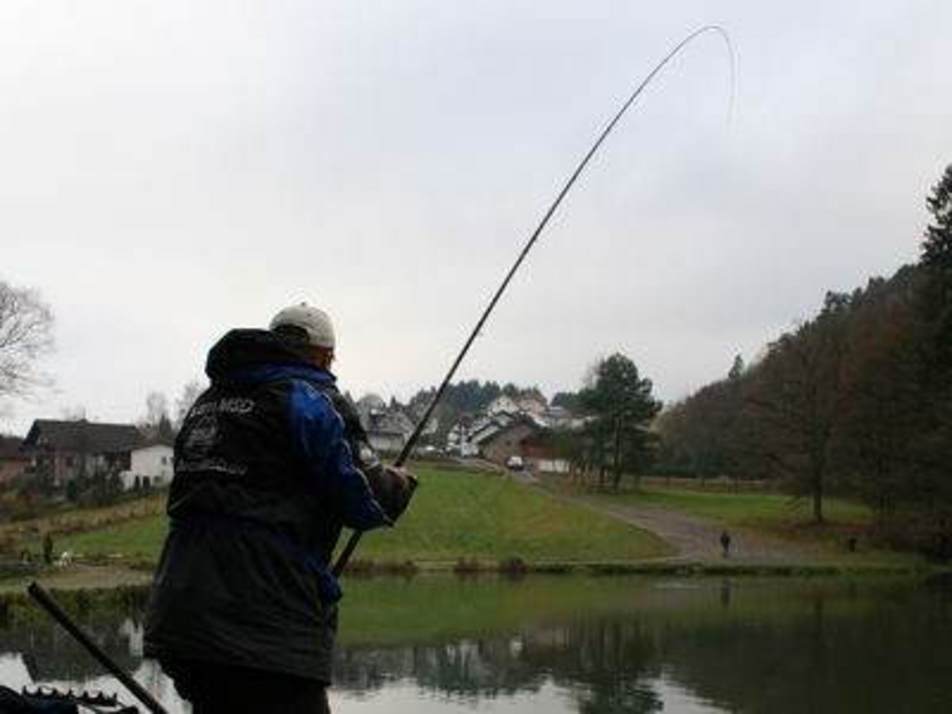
(588, 645)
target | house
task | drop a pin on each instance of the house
(469, 436)
(150, 464)
(387, 429)
(526, 438)
(498, 442)
(68, 449)
(13, 461)
(458, 438)
(387, 433)
(368, 404)
(532, 405)
(541, 453)
(502, 403)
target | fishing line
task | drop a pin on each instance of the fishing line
(415, 436)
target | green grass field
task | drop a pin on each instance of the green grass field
(773, 514)
(455, 514)
(771, 511)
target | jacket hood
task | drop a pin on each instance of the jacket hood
(254, 355)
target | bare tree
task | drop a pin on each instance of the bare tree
(799, 396)
(156, 407)
(156, 421)
(26, 333)
(77, 412)
(190, 393)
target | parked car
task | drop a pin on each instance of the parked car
(515, 463)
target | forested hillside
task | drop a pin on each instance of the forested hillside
(856, 400)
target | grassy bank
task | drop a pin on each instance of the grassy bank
(455, 514)
(765, 511)
(776, 515)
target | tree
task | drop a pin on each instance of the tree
(77, 412)
(937, 261)
(26, 333)
(737, 369)
(623, 406)
(798, 394)
(567, 400)
(702, 435)
(883, 411)
(190, 393)
(157, 422)
(937, 246)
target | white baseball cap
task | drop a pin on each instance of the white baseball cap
(315, 322)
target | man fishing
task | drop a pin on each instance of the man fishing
(270, 463)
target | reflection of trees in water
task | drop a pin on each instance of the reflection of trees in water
(484, 667)
(49, 653)
(823, 653)
(825, 649)
(605, 661)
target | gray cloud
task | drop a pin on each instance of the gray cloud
(173, 169)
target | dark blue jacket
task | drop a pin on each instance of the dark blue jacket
(267, 471)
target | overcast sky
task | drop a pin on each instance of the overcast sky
(173, 169)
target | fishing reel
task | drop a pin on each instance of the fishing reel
(46, 699)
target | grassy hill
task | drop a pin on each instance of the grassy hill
(455, 514)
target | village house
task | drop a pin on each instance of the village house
(502, 403)
(539, 453)
(387, 429)
(532, 405)
(525, 438)
(68, 449)
(498, 443)
(388, 432)
(488, 434)
(458, 438)
(150, 465)
(13, 461)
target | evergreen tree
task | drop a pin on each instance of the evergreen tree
(937, 246)
(737, 369)
(622, 402)
(937, 294)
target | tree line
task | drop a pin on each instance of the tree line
(856, 400)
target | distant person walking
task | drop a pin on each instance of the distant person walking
(725, 544)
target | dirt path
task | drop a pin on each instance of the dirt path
(695, 538)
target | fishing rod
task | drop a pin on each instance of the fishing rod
(421, 424)
(57, 613)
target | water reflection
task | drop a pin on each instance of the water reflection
(609, 664)
(692, 646)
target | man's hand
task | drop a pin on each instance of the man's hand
(392, 487)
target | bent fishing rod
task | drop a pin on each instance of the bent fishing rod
(421, 424)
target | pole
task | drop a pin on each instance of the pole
(56, 612)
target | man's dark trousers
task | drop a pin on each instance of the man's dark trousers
(223, 689)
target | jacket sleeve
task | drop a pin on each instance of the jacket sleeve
(317, 431)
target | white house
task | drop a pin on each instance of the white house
(151, 464)
(502, 403)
